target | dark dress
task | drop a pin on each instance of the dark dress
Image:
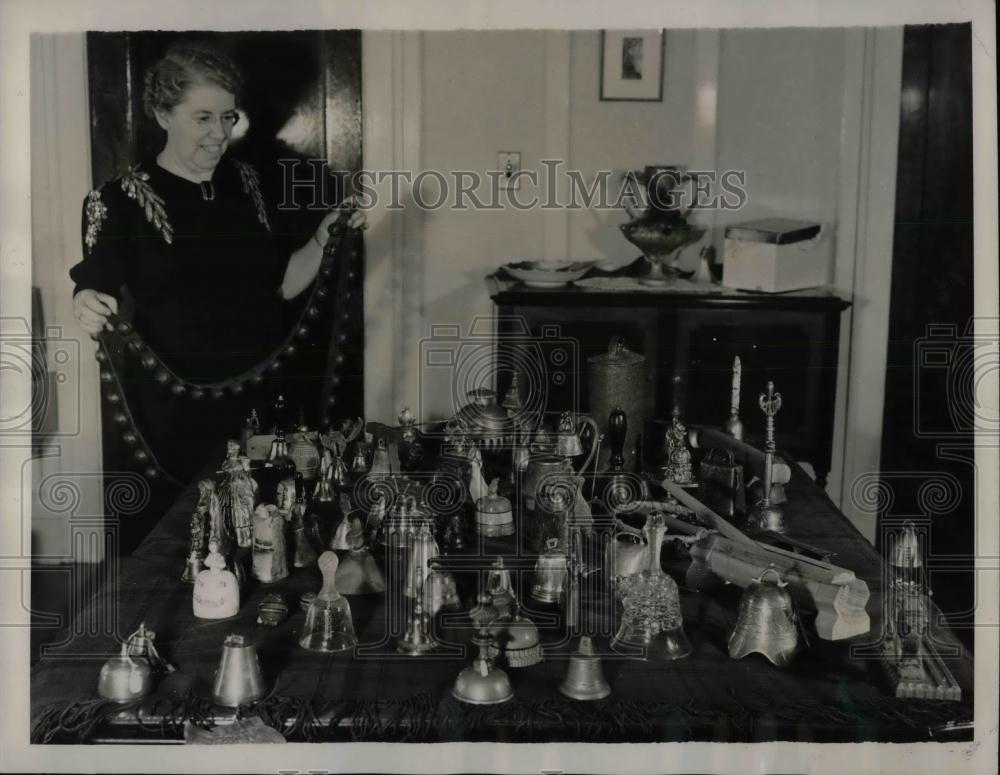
(203, 263)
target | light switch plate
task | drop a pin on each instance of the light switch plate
(509, 164)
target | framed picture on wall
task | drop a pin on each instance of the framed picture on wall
(632, 65)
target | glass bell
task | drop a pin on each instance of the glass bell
(423, 549)
(329, 626)
(651, 625)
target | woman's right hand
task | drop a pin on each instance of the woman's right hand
(91, 309)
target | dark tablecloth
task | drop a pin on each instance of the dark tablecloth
(833, 691)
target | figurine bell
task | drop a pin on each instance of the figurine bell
(551, 570)
(329, 626)
(358, 573)
(767, 622)
(124, 679)
(584, 676)
(216, 593)
(141, 645)
(440, 591)
(238, 680)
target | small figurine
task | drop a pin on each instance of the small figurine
(454, 533)
(237, 495)
(196, 544)
(216, 592)
(141, 646)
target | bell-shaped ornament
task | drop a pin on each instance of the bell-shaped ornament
(270, 558)
(494, 513)
(767, 622)
(324, 490)
(584, 676)
(329, 626)
(518, 640)
(417, 639)
(440, 591)
(500, 588)
(238, 680)
(358, 573)
(551, 572)
(482, 683)
(216, 593)
(359, 467)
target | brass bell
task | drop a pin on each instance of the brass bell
(551, 571)
(440, 591)
(494, 513)
(584, 677)
(358, 573)
(417, 639)
(767, 622)
(481, 683)
(329, 626)
(238, 680)
(423, 548)
(517, 639)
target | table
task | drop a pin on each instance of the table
(689, 329)
(826, 695)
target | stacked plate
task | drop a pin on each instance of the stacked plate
(547, 274)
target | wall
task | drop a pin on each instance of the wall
(794, 108)
(67, 518)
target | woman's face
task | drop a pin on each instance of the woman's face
(199, 127)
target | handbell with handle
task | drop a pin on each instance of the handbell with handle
(584, 676)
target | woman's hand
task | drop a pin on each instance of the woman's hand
(358, 219)
(91, 309)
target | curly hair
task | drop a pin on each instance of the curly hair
(183, 66)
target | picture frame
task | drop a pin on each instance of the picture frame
(632, 65)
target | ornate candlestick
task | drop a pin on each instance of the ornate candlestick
(734, 427)
(764, 515)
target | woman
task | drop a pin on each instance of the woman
(201, 251)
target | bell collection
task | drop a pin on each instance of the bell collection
(519, 536)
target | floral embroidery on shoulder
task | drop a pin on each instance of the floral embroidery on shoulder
(96, 212)
(135, 184)
(251, 186)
